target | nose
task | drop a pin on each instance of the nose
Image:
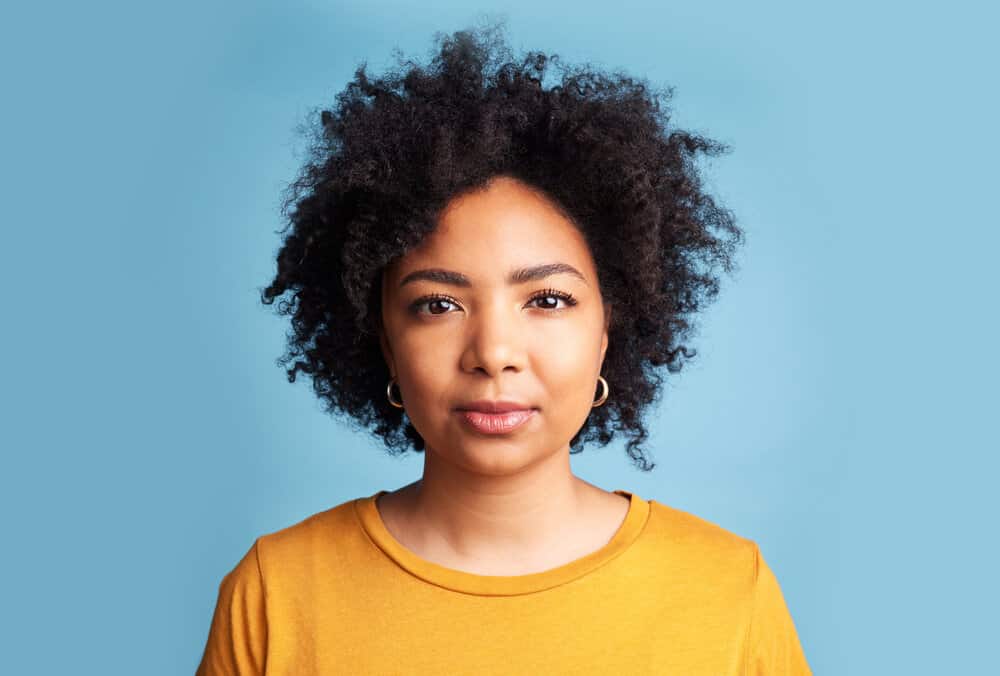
(495, 341)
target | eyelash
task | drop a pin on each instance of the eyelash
(545, 293)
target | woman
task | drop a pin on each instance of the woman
(487, 270)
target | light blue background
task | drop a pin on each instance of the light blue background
(842, 411)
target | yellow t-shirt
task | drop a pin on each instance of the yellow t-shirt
(336, 593)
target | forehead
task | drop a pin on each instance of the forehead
(487, 232)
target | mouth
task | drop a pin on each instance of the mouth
(497, 423)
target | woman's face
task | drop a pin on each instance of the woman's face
(459, 327)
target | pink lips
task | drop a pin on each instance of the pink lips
(497, 423)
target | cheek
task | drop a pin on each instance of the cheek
(428, 371)
(567, 365)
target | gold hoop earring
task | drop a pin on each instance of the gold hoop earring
(604, 395)
(388, 394)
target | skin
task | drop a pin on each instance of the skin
(498, 504)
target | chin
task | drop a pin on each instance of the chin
(492, 456)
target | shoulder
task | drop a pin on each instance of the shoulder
(318, 540)
(695, 543)
(683, 527)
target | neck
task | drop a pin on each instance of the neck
(474, 516)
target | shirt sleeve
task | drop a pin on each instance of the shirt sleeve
(237, 638)
(773, 645)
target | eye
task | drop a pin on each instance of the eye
(432, 302)
(550, 294)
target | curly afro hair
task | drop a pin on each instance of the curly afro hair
(395, 149)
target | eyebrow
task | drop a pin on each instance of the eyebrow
(518, 276)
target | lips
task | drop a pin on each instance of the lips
(496, 416)
(497, 423)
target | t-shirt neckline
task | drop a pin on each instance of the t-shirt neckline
(500, 585)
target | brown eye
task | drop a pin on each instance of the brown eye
(548, 302)
(432, 303)
(551, 298)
